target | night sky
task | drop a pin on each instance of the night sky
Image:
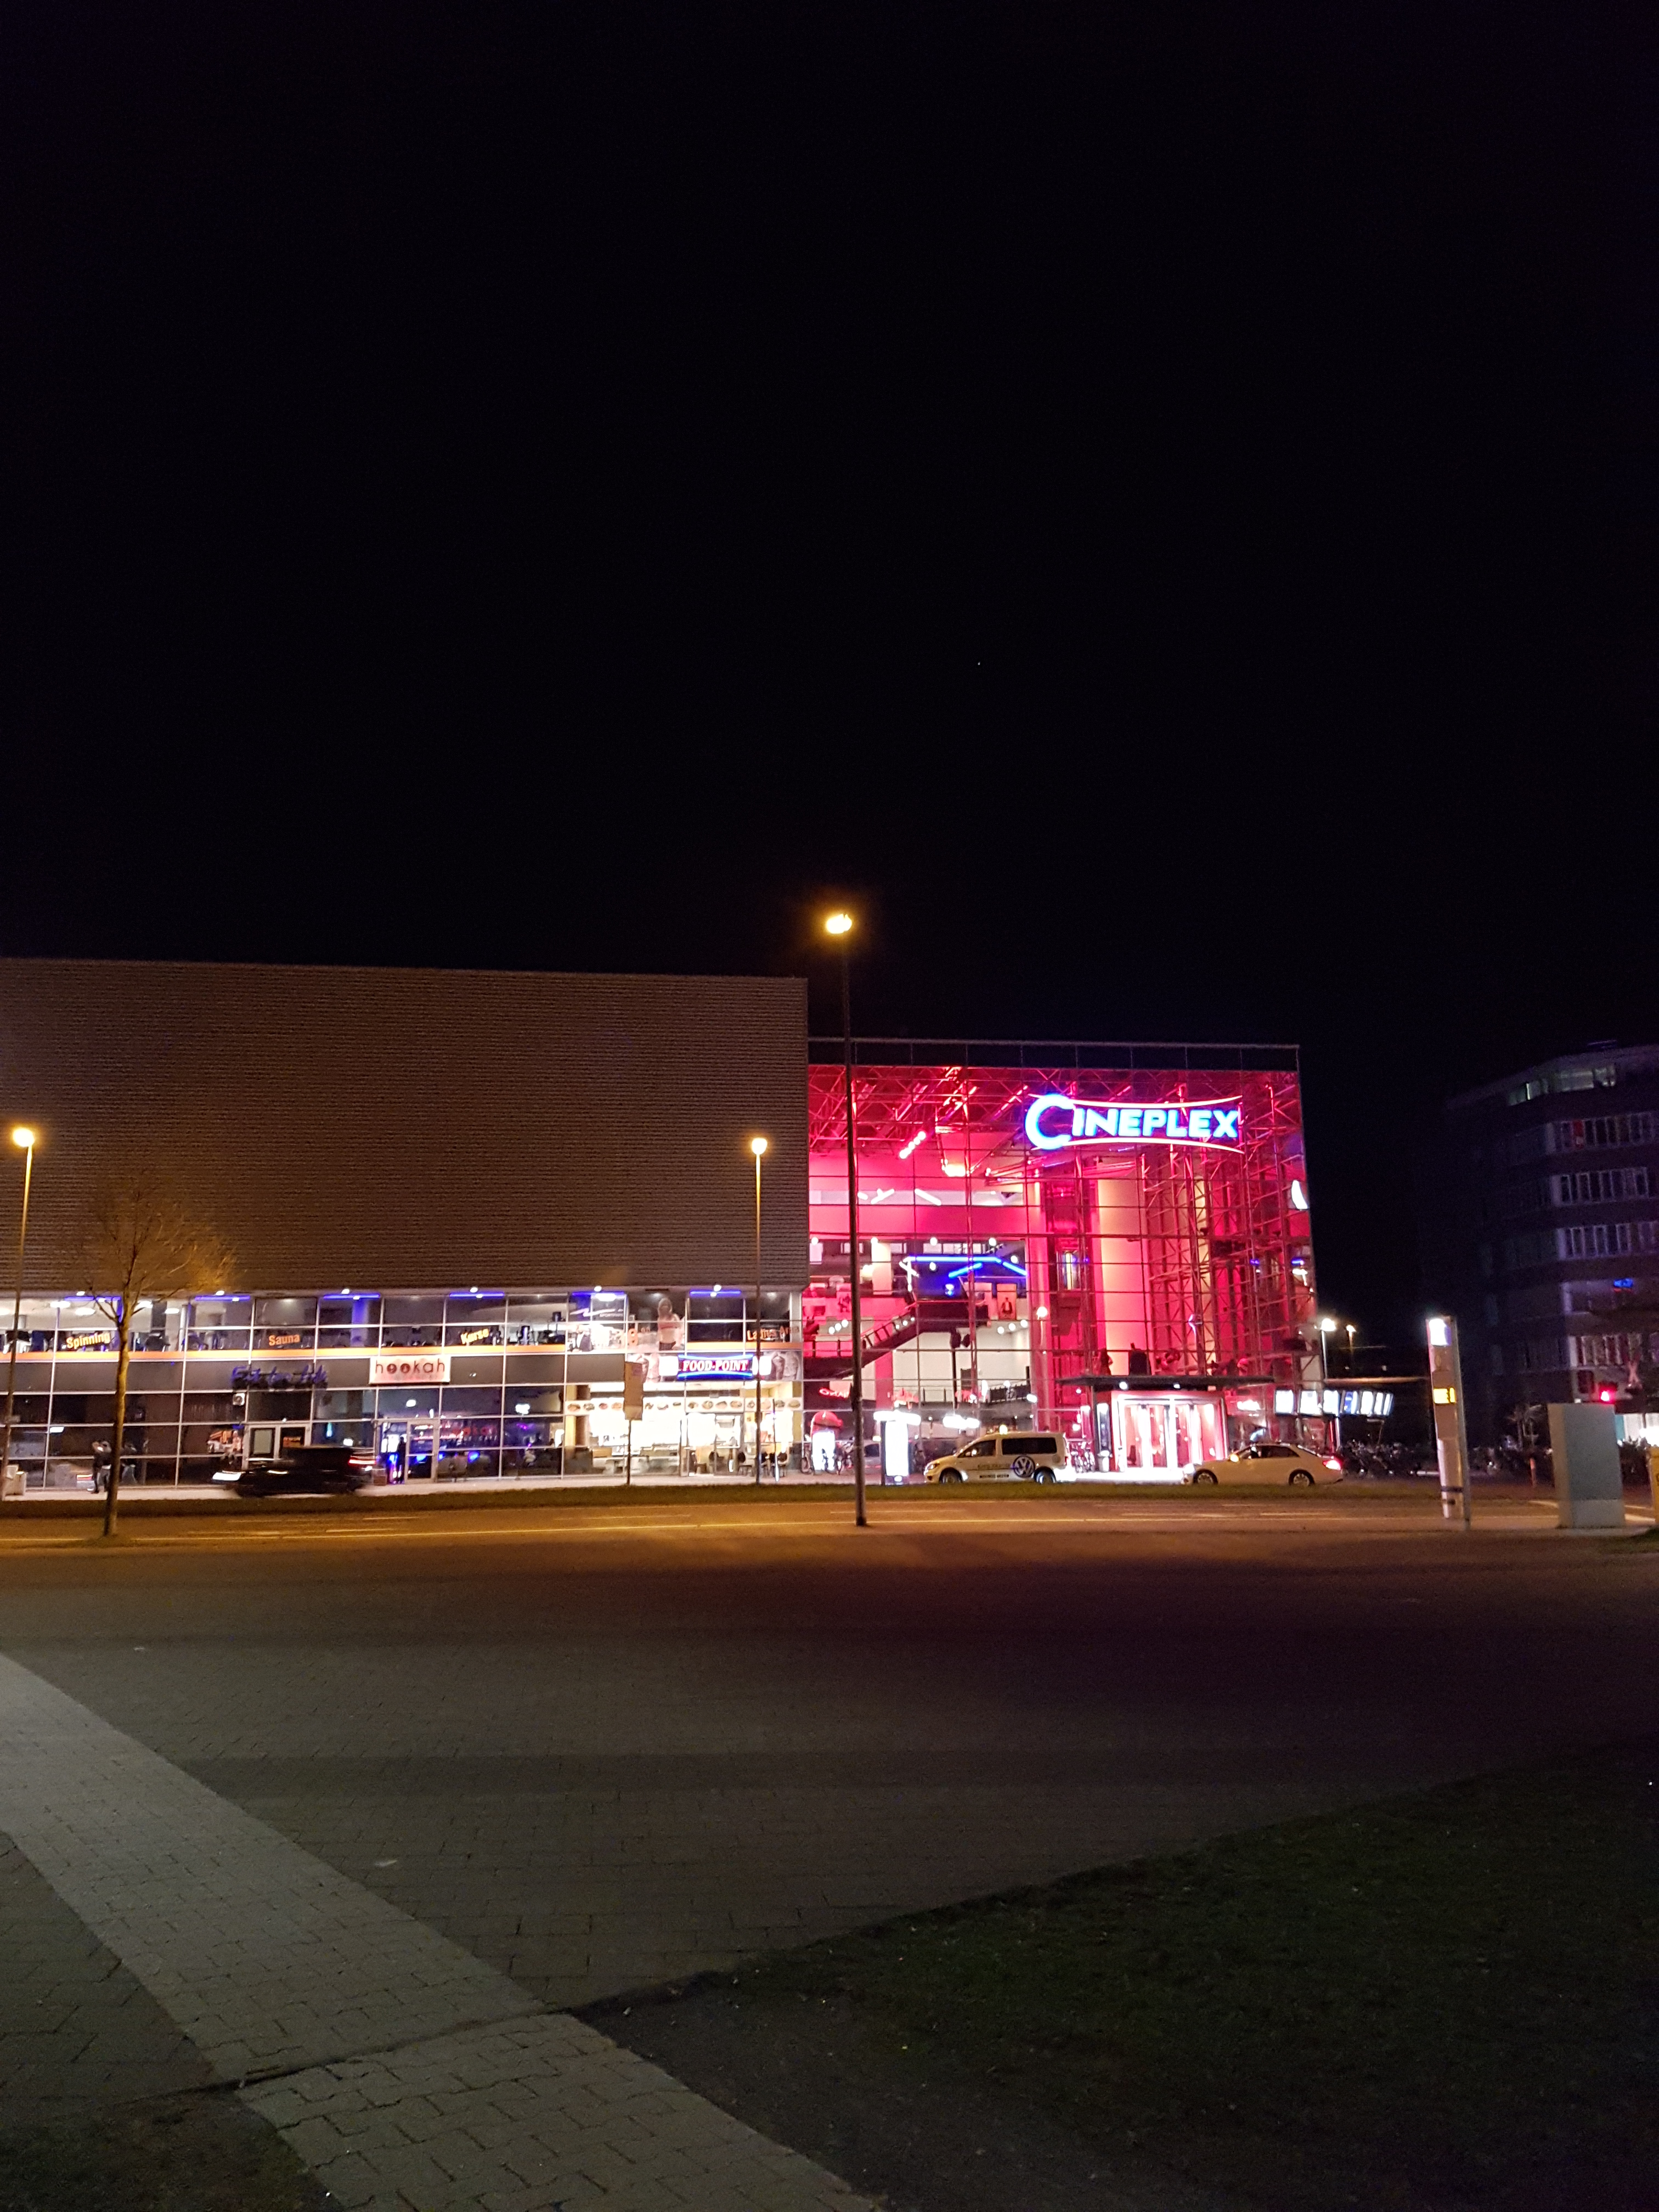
(1154, 504)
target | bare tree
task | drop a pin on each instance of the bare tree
(141, 1243)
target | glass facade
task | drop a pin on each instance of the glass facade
(1036, 1237)
(521, 1383)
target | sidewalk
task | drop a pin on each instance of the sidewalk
(169, 1942)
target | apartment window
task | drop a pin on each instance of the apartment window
(1595, 1186)
(1603, 1130)
(1598, 1240)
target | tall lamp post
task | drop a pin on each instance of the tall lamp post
(757, 1147)
(839, 927)
(25, 1138)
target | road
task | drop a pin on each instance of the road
(600, 1746)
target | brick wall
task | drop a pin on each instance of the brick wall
(403, 1127)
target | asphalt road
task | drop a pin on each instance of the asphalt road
(601, 1746)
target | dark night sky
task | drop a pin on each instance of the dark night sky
(1158, 503)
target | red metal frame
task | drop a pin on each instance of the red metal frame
(1201, 1257)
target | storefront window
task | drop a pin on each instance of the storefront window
(476, 1317)
(536, 1320)
(716, 1320)
(528, 1444)
(220, 1324)
(468, 1446)
(284, 1324)
(348, 1320)
(412, 1321)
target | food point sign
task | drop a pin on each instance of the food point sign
(1055, 1123)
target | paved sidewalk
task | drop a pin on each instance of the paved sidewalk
(407, 2073)
(78, 2030)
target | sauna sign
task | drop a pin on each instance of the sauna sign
(1055, 1123)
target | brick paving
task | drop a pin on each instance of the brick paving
(536, 2113)
(407, 2073)
(78, 2030)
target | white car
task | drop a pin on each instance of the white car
(1265, 1462)
(1011, 1455)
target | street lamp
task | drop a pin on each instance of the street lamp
(839, 927)
(24, 1138)
(757, 1147)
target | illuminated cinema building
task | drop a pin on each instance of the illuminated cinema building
(471, 1214)
(1112, 1239)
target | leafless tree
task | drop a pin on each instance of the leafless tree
(143, 1243)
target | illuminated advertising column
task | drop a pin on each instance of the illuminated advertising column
(1451, 1441)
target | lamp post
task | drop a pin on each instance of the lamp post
(25, 1138)
(1327, 1329)
(757, 1147)
(839, 927)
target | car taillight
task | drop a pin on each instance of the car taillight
(1334, 1465)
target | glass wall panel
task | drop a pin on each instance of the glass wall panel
(348, 1319)
(345, 1406)
(476, 1317)
(716, 1321)
(412, 1321)
(220, 1324)
(468, 1446)
(207, 1446)
(537, 1321)
(284, 1324)
(472, 1398)
(528, 1444)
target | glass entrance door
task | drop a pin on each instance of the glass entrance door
(405, 1446)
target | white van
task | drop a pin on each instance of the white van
(1009, 1455)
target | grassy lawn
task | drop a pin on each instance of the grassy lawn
(1450, 1999)
(200, 2152)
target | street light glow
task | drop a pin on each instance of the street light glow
(837, 925)
(24, 1137)
(1326, 1324)
(757, 1146)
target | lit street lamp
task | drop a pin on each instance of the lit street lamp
(25, 1139)
(839, 927)
(757, 1147)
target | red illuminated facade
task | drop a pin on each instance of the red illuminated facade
(1045, 1228)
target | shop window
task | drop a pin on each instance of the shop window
(412, 1321)
(715, 1321)
(471, 1398)
(529, 1441)
(348, 1320)
(219, 1324)
(284, 1324)
(474, 1318)
(467, 1445)
(536, 1320)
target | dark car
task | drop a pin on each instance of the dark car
(314, 1469)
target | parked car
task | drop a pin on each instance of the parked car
(1269, 1462)
(1010, 1454)
(312, 1470)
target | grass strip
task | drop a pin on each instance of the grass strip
(1446, 2001)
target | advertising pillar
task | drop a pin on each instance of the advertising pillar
(1451, 1440)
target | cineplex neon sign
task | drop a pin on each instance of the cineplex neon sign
(1055, 1123)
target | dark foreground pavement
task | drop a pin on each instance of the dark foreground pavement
(601, 1751)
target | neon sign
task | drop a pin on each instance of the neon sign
(706, 1366)
(1055, 1123)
